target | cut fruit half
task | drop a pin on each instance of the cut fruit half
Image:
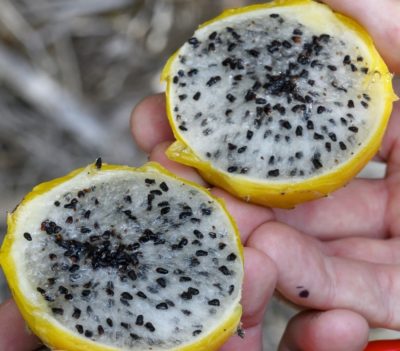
(278, 103)
(116, 258)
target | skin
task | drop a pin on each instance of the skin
(343, 249)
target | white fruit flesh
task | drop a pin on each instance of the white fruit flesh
(284, 93)
(139, 261)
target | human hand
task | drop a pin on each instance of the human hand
(342, 266)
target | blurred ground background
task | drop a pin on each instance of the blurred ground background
(70, 73)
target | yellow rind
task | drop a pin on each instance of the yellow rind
(54, 334)
(286, 194)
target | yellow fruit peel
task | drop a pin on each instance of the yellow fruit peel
(279, 193)
(57, 336)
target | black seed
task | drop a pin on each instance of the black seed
(100, 330)
(134, 336)
(139, 320)
(162, 306)
(161, 270)
(253, 52)
(165, 210)
(88, 333)
(321, 109)
(185, 279)
(182, 97)
(196, 332)
(311, 82)
(98, 163)
(342, 145)
(285, 124)
(125, 295)
(274, 15)
(299, 131)
(332, 67)
(213, 80)
(273, 173)
(231, 257)
(68, 297)
(214, 302)
(316, 162)
(200, 253)
(261, 101)
(250, 95)
(57, 203)
(354, 67)
(231, 289)
(347, 60)
(230, 97)
(304, 293)
(109, 322)
(62, 289)
(69, 220)
(196, 96)
(249, 134)
(85, 230)
(364, 70)
(149, 181)
(77, 313)
(310, 125)
(192, 72)
(298, 155)
(141, 294)
(221, 246)
(232, 169)
(231, 46)
(162, 282)
(332, 136)
(27, 236)
(79, 328)
(175, 79)
(328, 147)
(231, 146)
(318, 136)
(194, 262)
(86, 292)
(271, 160)
(224, 270)
(242, 149)
(186, 312)
(57, 310)
(150, 327)
(87, 214)
(212, 36)
(194, 41)
(353, 129)
(364, 104)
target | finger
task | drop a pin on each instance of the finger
(359, 209)
(149, 123)
(365, 249)
(247, 216)
(252, 341)
(309, 276)
(380, 18)
(334, 330)
(158, 155)
(258, 286)
(14, 334)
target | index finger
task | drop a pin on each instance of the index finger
(14, 335)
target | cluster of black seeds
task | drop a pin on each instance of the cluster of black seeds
(110, 251)
(273, 83)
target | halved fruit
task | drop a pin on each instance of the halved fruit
(278, 103)
(116, 258)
